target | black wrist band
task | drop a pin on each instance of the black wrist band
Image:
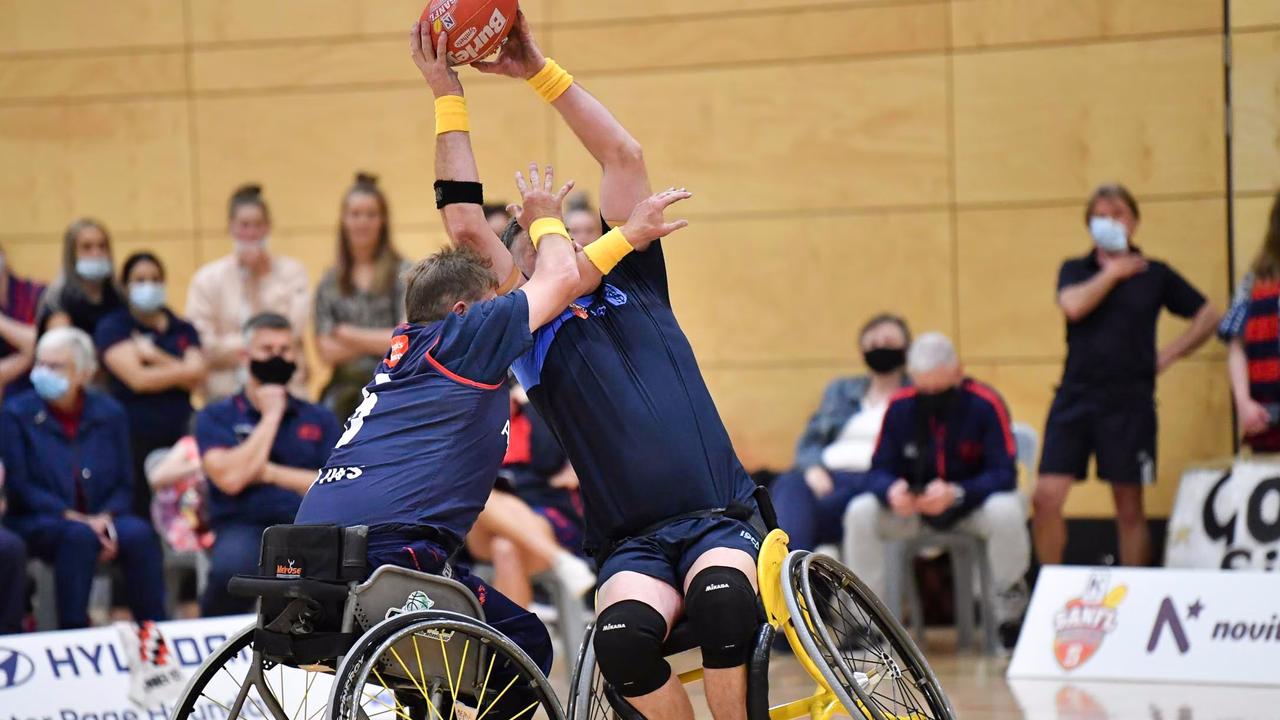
(453, 192)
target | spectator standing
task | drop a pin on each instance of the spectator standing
(834, 454)
(84, 293)
(261, 450)
(360, 300)
(1251, 330)
(69, 475)
(19, 299)
(945, 459)
(1105, 404)
(225, 293)
(153, 362)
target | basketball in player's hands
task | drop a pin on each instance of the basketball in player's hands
(475, 28)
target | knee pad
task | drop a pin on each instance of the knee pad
(628, 643)
(725, 614)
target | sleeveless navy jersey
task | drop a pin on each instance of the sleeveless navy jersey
(425, 445)
(615, 378)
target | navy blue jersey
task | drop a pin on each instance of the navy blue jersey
(424, 447)
(616, 379)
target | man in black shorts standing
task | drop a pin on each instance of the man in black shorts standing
(1105, 405)
(667, 504)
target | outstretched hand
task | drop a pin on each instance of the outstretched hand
(433, 61)
(520, 57)
(647, 223)
(538, 198)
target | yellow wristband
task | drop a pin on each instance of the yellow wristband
(551, 81)
(608, 251)
(546, 226)
(451, 114)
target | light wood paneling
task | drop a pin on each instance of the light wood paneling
(738, 309)
(979, 23)
(306, 151)
(1256, 97)
(128, 163)
(95, 75)
(343, 62)
(1254, 13)
(797, 35)
(1252, 216)
(251, 20)
(757, 140)
(1051, 123)
(1025, 248)
(42, 25)
(673, 10)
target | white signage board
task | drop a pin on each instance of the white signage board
(1158, 625)
(84, 674)
(1227, 518)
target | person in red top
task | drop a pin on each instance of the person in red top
(19, 299)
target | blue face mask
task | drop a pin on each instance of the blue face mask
(147, 296)
(94, 268)
(1108, 234)
(49, 384)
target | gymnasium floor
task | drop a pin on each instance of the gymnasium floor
(978, 689)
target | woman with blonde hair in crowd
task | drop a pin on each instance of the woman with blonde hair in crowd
(1250, 330)
(84, 293)
(361, 299)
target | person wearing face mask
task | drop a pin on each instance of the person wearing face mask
(153, 362)
(260, 449)
(945, 459)
(228, 291)
(1105, 403)
(69, 481)
(834, 453)
(19, 298)
(361, 300)
(84, 293)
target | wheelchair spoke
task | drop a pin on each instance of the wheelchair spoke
(495, 700)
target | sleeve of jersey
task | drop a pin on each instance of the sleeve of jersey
(478, 348)
(111, 331)
(213, 431)
(648, 267)
(1180, 296)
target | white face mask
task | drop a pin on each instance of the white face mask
(93, 269)
(1108, 234)
(250, 247)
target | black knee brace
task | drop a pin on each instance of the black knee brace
(725, 614)
(628, 642)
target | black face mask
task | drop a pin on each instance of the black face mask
(885, 360)
(936, 405)
(273, 371)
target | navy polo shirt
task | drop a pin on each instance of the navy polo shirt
(306, 435)
(1114, 347)
(165, 413)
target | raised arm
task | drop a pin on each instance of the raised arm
(463, 217)
(625, 180)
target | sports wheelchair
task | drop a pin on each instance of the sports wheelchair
(864, 662)
(329, 645)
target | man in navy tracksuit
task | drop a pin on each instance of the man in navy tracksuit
(945, 459)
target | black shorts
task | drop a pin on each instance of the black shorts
(1119, 430)
(668, 553)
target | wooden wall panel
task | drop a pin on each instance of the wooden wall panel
(576, 11)
(1252, 217)
(128, 163)
(805, 33)
(739, 310)
(43, 25)
(981, 23)
(753, 139)
(27, 78)
(1256, 96)
(1254, 13)
(1052, 123)
(306, 151)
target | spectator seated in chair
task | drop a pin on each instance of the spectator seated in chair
(70, 481)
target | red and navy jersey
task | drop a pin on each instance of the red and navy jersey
(971, 444)
(424, 447)
(615, 378)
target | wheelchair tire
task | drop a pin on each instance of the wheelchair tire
(350, 698)
(864, 644)
(223, 687)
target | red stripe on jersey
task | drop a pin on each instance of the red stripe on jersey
(520, 441)
(986, 393)
(454, 376)
(1264, 370)
(1262, 328)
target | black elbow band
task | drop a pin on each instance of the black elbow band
(725, 613)
(452, 192)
